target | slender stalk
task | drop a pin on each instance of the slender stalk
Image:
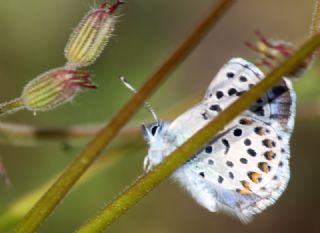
(147, 182)
(11, 106)
(70, 176)
(24, 134)
(315, 23)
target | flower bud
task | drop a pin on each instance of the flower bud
(54, 88)
(92, 34)
(274, 52)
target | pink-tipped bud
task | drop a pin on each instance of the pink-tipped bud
(91, 36)
(274, 52)
(54, 88)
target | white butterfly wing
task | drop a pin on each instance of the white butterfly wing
(246, 167)
(244, 173)
(238, 76)
(234, 78)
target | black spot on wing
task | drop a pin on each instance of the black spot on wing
(229, 164)
(210, 162)
(225, 142)
(237, 132)
(243, 160)
(219, 94)
(205, 116)
(247, 142)
(252, 152)
(220, 179)
(208, 149)
(215, 107)
(230, 75)
(232, 91)
(243, 78)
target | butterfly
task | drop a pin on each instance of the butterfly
(245, 168)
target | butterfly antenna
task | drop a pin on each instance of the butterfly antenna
(147, 106)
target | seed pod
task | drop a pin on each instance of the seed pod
(54, 88)
(91, 36)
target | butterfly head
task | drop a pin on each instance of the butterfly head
(152, 131)
(156, 136)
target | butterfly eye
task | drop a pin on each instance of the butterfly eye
(154, 129)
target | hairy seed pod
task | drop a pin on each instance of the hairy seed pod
(91, 36)
(54, 88)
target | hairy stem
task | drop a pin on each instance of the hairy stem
(11, 106)
(70, 176)
(147, 182)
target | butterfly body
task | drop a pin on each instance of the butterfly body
(245, 168)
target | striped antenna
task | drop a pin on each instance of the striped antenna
(147, 106)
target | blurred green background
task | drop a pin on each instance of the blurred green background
(33, 35)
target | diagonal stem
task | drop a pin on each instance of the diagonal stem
(149, 181)
(11, 106)
(70, 176)
(315, 22)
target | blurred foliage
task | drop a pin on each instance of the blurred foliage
(33, 36)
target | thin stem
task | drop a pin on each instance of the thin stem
(22, 134)
(315, 23)
(147, 182)
(11, 106)
(70, 176)
(13, 133)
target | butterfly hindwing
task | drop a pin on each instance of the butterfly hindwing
(241, 163)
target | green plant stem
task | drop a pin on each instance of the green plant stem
(146, 183)
(65, 182)
(315, 22)
(11, 106)
(21, 134)
(28, 135)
